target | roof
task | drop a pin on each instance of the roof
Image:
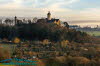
(52, 20)
(49, 13)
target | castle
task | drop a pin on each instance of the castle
(17, 21)
(49, 19)
(52, 20)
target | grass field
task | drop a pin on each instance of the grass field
(9, 47)
(6, 65)
(94, 33)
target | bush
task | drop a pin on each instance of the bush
(16, 40)
(4, 54)
(64, 43)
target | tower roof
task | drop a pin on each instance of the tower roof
(15, 17)
(49, 13)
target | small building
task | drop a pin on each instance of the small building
(73, 26)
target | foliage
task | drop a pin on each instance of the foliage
(46, 41)
(4, 54)
(64, 43)
(52, 62)
(16, 40)
(41, 31)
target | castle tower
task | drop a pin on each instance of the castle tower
(15, 20)
(49, 16)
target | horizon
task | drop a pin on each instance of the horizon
(81, 23)
(69, 9)
(65, 10)
(50, 32)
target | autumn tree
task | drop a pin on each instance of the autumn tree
(16, 40)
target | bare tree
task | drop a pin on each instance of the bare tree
(8, 21)
(35, 20)
(0, 21)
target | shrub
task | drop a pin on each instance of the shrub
(64, 43)
(16, 40)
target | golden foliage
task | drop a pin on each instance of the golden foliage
(64, 43)
(16, 40)
(30, 53)
(4, 54)
(78, 60)
(61, 59)
(40, 62)
(81, 60)
(46, 41)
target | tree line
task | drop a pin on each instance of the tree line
(41, 31)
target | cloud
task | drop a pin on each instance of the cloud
(5, 1)
(36, 3)
(39, 8)
(25, 7)
(49, 3)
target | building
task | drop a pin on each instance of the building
(74, 26)
(49, 16)
(49, 20)
(52, 20)
(15, 20)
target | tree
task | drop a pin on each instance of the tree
(77, 61)
(35, 20)
(52, 62)
(66, 24)
(16, 40)
(8, 21)
(4, 54)
(64, 43)
(45, 41)
(29, 21)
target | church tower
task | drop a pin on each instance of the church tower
(49, 16)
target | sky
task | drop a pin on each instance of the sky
(70, 10)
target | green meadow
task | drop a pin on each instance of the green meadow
(94, 33)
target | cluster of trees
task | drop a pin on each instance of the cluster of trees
(72, 61)
(41, 31)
